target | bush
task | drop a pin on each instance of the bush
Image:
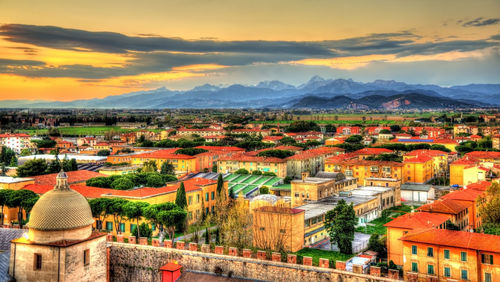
(190, 151)
(276, 154)
(287, 180)
(122, 184)
(103, 153)
(256, 172)
(268, 173)
(264, 190)
(241, 171)
(154, 180)
(144, 229)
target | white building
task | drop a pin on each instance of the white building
(17, 142)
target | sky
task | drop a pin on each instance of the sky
(68, 50)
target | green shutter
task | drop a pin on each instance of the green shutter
(447, 254)
(447, 272)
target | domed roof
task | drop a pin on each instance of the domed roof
(60, 209)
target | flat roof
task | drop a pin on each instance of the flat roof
(416, 187)
(62, 156)
(317, 208)
(375, 188)
(8, 179)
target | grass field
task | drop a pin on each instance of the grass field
(334, 122)
(317, 254)
(376, 226)
(77, 131)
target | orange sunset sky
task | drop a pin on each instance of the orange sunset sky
(67, 50)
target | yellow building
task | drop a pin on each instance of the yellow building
(445, 255)
(251, 163)
(324, 184)
(439, 160)
(418, 169)
(278, 228)
(182, 163)
(474, 167)
(363, 169)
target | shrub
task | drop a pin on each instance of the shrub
(144, 230)
(241, 171)
(122, 184)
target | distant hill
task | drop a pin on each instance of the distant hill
(278, 94)
(392, 102)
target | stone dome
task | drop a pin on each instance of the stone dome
(60, 209)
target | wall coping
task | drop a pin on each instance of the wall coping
(251, 260)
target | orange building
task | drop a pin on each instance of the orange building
(182, 163)
(457, 210)
(446, 255)
(371, 152)
(406, 224)
(439, 159)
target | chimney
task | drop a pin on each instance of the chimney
(305, 175)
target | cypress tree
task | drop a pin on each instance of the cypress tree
(207, 238)
(180, 198)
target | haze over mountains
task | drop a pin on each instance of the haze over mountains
(317, 93)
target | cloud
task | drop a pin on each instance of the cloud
(480, 22)
(155, 54)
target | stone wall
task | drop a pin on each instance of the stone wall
(130, 262)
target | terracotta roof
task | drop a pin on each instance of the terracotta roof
(73, 177)
(14, 135)
(278, 209)
(418, 159)
(484, 155)
(426, 152)
(358, 162)
(250, 158)
(463, 195)
(446, 206)
(221, 148)
(418, 220)
(164, 154)
(372, 151)
(95, 192)
(480, 186)
(466, 161)
(459, 239)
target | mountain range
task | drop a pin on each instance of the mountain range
(317, 93)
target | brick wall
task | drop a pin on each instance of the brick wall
(141, 263)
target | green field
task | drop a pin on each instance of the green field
(334, 122)
(77, 131)
(317, 254)
(376, 226)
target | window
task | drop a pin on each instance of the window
(414, 267)
(86, 257)
(109, 225)
(487, 277)
(122, 227)
(190, 200)
(262, 229)
(447, 254)
(206, 196)
(463, 256)
(132, 226)
(430, 252)
(213, 195)
(447, 272)
(413, 250)
(430, 269)
(197, 198)
(464, 275)
(37, 262)
(487, 259)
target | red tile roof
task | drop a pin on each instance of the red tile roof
(95, 192)
(73, 177)
(446, 206)
(459, 239)
(221, 148)
(418, 159)
(418, 220)
(430, 153)
(373, 151)
(249, 158)
(484, 155)
(164, 154)
(480, 186)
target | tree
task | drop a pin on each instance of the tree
(135, 210)
(23, 200)
(282, 154)
(116, 209)
(340, 224)
(143, 229)
(154, 180)
(378, 245)
(236, 229)
(264, 190)
(395, 128)
(180, 198)
(241, 171)
(302, 126)
(13, 161)
(103, 153)
(6, 155)
(5, 195)
(149, 166)
(167, 168)
(190, 151)
(490, 209)
(220, 188)
(122, 184)
(165, 215)
(54, 166)
(288, 141)
(46, 142)
(232, 195)
(256, 172)
(32, 168)
(100, 208)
